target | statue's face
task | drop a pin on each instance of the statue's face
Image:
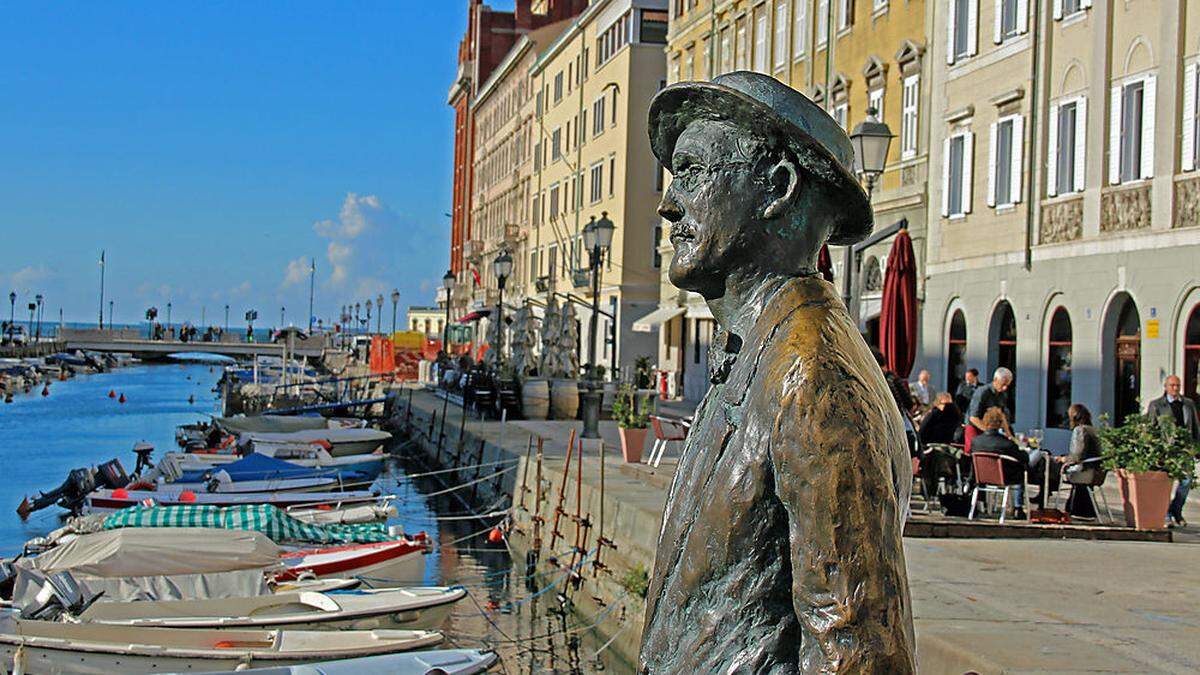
(710, 203)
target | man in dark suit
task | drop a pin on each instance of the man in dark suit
(1182, 410)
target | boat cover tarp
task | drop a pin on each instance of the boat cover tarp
(264, 518)
(341, 435)
(269, 423)
(256, 466)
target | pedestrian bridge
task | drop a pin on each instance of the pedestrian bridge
(142, 348)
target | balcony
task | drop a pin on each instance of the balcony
(1125, 208)
(1062, 219)
(1187, 202)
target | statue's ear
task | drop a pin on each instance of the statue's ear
(785, 183)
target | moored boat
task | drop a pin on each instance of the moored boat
(448, 661)
(391, 563)
(340, 441)
(104, 500)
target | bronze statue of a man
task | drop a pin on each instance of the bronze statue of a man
(780, 547)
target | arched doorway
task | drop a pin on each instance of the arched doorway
(956, 351)
(1002, 348)
(1058, 370)
(1191, 355)
(1123, 369)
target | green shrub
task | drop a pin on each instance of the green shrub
(1143, 443)
(629, 410)
(636, 581)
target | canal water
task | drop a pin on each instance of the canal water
(42, 438)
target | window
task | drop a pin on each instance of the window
(615, 37)
(963, 29)
(879, 5)
(613, 119)
(1005, 162)
(760, 39)
(597, 186)
(845, 14)
(536, 214)
(1191, 121)
(799, 28)
(909, 107)
(822, 22)
(1068, 7)
(841, 114)
(598, 116)
(1012, 19)
(742, 54)
(875, 100)
(781, 26)
(956, 174)
(689, 62)
(558, 87)
(675, 68)
(556, 145)
(612, 175)
(1131, 131)
(554, 201)
(1068, 131)
(552, 260)
(1058, 370)
(653, 29)
(726, 50)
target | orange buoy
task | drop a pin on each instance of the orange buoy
(121, 399)
(495, 536)
(187, 497)
(120, 493)
(112, 394)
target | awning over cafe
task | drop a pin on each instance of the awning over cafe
(656, 318)
(475, 316)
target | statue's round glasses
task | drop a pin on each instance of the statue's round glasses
(689, 173)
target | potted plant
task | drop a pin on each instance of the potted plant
(1147, 455)
(632, 416)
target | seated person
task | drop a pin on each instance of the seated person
(1085, 444)
(1033, 463)
(942, 422)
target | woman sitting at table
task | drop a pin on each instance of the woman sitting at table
(1032, 462)
(1085, 444)
(942, 421)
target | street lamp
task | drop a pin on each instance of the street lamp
(38, 299)
(448, 284)
(871, 140)
(502, 268)
(395, 301)
(151, 313)
(110, 314)
(597, 238)
(379, 313)
(32, 309)
(12, 311)
(226, 319)
(357, 320)
(281, 320)
(168, 316)
(367, 325)
(251, 315)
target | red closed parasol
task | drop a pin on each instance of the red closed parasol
(898, 317)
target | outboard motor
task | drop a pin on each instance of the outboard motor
(112, 475)
(59, 594)
(8, 577)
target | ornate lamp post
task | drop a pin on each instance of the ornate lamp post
(871, 140)
(395, 301)
(168, 316)
(282, 323)
(367, 325)
(379, 313)
(12, 311)
(597, 238)
(448, 284)
(357, 314)
(226, 319)
(38, 299)
(502, 267)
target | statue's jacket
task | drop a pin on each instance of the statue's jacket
(780, 549)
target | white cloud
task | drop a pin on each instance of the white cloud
(25, 277)
(358, 215)
(361, 241)
(296, 272)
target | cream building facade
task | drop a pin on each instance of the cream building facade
(1064, 228)
(847, 56)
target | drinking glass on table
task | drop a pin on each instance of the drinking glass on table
(1035, 438)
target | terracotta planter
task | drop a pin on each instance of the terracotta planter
(633, 442)
(1146, 496)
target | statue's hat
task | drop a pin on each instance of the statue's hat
(762, 104)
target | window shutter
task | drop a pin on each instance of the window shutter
(1018, 159)
(1114, 136)
(950, 23)
(991, 165)
(946, 177)
(968, 172)
(1081, 121)
(1022, 16)
(1148, 92)
(998, 24)
(972, 27)
(1189, 116)
(1052, 152)
(1058, 9)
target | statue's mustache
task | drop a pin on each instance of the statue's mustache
(683, 230)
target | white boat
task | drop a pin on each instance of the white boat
(340, 441)
(448, 661)
(351, 514)
(307, 455)
(55, 647)
(282, 424)
(362, 609)
(400, 562)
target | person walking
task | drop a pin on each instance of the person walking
(1182, 410)
(989, 396)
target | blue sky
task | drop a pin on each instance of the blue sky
(213, 148)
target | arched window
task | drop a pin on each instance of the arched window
(1002, 350)
(1191, 355)
(956, 351)
(1058, 370)
(1127, 384)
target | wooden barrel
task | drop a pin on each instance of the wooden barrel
(535, 398)
(564, 399)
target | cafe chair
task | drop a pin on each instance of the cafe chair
(1086, 477)
(667, 430)
(989, 478)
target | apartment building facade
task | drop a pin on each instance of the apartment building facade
(1067, 223)
(847, 56)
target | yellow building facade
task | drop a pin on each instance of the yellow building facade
(846, 56)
